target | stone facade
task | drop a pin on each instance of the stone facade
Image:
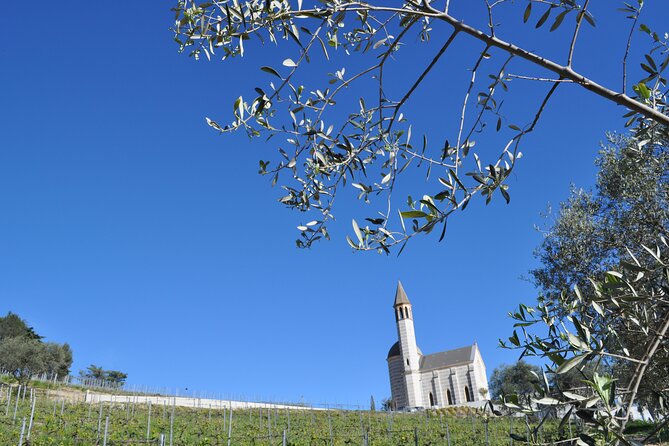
(452, 377)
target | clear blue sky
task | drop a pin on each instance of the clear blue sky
(132, 231)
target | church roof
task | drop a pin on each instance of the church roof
(449, 358)
(400, 295)
(395, 350)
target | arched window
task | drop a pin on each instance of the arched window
(407, 361)
(449, 397)
(406, 312)
(399, 314)
(468, 396)
(432, 400)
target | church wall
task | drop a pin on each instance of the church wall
(414, 390)
(437, 382)
(480, 373)
(397, 385)
(462, 381)
(431, 383)
(454, 378)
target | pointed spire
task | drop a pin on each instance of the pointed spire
(400, 295)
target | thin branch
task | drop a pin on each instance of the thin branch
(579, 20)
(562, 71)
(490, 22)
(542, 107)
(541, 79)
(626, 358)
(627, 49)
(565, 72)
(382, 65)
(463, 111)
(641, 370)
(421, 77)
(484, 105)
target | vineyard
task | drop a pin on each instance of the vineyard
(40, 417)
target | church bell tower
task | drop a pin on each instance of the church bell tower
(408, 347)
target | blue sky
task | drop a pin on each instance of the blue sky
(132, 231)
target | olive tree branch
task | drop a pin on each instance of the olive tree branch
(418, 81)
(579, 20)
(628, 46)
(641, 369)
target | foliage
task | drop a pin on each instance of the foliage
(116, 378)
(387, 404)
(628, 207)
(23, 358)
(12, 326)
(620, 320)
(113, 378)
(327, 140)
(520, 379)
(23, 354)
(59, 359)
(93, 371)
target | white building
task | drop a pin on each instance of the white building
(452, 377)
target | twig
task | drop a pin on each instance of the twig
(579, 20)
(541, 79)
(421, 77)
(627, 49)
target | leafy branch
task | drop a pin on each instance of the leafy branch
(322, 149)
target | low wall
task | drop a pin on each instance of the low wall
(181, 401)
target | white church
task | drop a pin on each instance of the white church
(452, 377)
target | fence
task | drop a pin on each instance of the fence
(184, 397)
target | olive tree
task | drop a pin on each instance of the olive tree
(519, 379)
(621, 320)
(628, 207)
(327, 143)
(23, 358)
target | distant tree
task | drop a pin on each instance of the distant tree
(116, 378)
(113, 378)
(372, 406)
(517, 379)
(66, 360)
(23, 357)
(12, 326)
(59, 359)
(93, 372)
(387, 404)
